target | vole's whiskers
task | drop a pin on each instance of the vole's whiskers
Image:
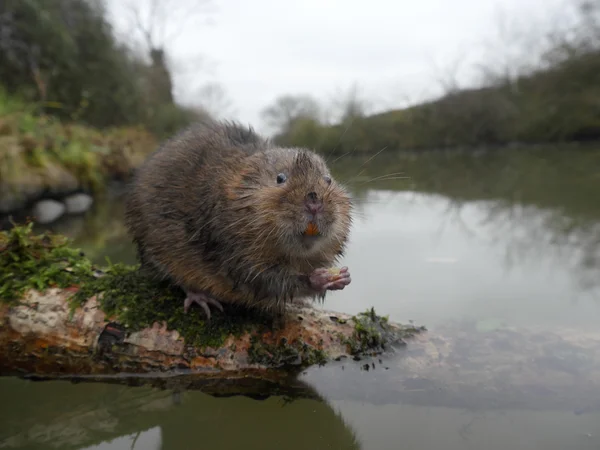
(341, 156)
(340, 139)
(386, 177)
(364, 164)
(374, 156)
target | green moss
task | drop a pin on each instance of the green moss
(137, 302)
(293, 354)
(41, 261)
(372, 334)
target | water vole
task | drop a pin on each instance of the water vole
(230, 217)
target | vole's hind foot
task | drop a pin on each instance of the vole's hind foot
(330, 279)
(201, 299)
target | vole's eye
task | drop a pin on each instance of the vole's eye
(281, 178)
(327, 179)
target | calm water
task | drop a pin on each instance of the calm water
(498, 256)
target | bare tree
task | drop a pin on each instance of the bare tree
(522, 45)
(288, 108)
(350, 105)
(214, 100)
(507, 47)
(156, 24)
(578, 35)
(447, 76)
(159, 22)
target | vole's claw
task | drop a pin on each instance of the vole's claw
(214, 302)
(201, 299)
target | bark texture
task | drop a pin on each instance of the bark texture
(42, 336)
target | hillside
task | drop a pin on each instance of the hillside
(554, 97)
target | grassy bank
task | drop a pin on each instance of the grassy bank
(39, 154)
(553, 106)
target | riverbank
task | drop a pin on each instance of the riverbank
(42, 158)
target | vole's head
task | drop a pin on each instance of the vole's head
(300, 208)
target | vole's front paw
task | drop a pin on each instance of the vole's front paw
(329, 279)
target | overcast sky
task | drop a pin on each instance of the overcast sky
(393, 50)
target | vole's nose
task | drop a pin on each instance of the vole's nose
(313, 204)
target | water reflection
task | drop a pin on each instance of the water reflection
(383, 427)
(477, 367)
(100, 232)
(464, 388)
(430, 263)
(62, 415)
(530, 234)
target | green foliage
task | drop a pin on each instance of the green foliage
(40, 147)
(558, 105)
(62, 55)
(39, 262)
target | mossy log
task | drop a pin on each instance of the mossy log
(60, 315)
(43, 335)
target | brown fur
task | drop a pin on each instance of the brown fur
(206, 212)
